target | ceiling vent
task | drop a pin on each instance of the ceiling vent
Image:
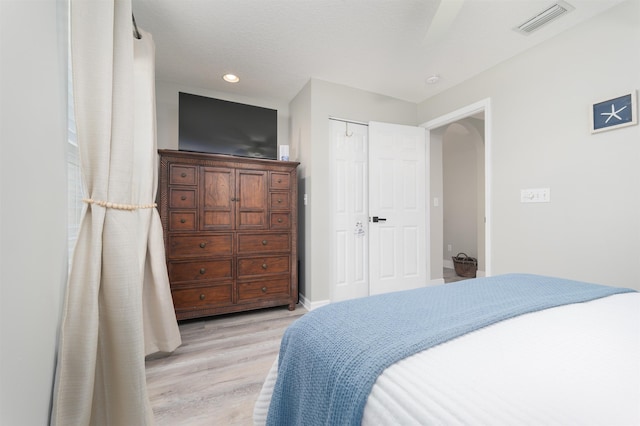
(541, 19)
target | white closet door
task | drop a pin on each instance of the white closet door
(350, 210)
(397, 206)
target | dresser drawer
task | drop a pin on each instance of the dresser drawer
(184, 246)
(182, 221)
(199, 270)
(280, 221)
(202, 297)
(279, 201)
(250, 266)
(182, 198)
(279, 181)
(180, 174)
(277, 287)
(260, 243)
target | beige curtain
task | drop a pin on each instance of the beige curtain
(118, 306)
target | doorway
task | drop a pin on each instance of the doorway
(459, 146)
(378, 211)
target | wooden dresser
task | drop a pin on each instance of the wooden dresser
(230, 232)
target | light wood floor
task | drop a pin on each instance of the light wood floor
(215, 376)
(449, 275)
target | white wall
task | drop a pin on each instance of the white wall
(300, 131)
(323, 100)
(167, 111)
(436, 213)
(33, 188)
(540, 138)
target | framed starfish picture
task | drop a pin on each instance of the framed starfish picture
(614, 113)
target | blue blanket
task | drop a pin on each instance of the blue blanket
(331, 357)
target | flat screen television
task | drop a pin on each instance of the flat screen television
(216, 126)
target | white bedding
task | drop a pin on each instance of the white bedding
(576, 364)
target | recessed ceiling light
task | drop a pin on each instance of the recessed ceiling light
(433, 79)
(231, 78)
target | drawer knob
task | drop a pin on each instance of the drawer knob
(203, 245)
(183, 220)
(279, 220)
(264, 242)
(183, 174)
(202, 271)
(264, 289)
(279, 200)
(184, 197)
(279, 180)
(264, 266)
(202, 297)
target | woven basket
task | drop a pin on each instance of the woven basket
(465, 266)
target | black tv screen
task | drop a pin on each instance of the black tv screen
(222, 127)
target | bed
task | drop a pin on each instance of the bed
(510, 349)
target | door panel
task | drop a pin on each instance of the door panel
(251, 199)
(397, 182)
(410, 262)
(386, 243)
(218, 189)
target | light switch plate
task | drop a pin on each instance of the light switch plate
(535, 195)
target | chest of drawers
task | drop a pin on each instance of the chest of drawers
(230, 230)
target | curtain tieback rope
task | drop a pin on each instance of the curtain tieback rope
(110, 205)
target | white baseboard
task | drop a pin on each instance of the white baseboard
(309, 305)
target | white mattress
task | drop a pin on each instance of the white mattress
(572, 365)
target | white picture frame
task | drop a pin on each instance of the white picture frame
(614, 113)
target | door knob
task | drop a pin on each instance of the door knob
(379, 219)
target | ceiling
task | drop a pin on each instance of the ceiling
(389, 47)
